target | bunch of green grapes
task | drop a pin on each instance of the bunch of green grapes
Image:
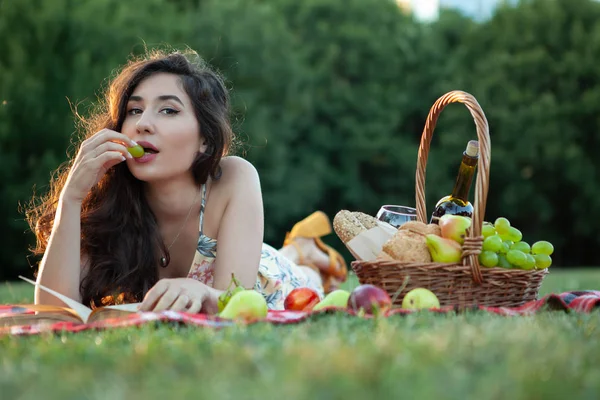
(502, 247)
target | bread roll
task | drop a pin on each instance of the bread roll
(408, 244)
(435, 229)
(420, 227)
(414, 226)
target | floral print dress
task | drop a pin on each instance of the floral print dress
(277, 275)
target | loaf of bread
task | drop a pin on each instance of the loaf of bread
(419, 227)
(366, 220)
(408, 244)
(347, 226)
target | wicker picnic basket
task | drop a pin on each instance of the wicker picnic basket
(463, 284)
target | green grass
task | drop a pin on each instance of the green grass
(552, 355)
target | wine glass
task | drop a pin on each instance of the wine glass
(396, 215)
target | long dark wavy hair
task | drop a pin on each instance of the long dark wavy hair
(119, 232)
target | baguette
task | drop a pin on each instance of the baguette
(347, 226)
(366, 220)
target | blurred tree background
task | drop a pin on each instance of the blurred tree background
(330, 99)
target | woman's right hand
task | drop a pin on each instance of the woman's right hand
(97, 154)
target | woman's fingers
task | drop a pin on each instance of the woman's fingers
(111, 146)
(110, 157)
(166, 300)
(96, 155)
(103, 136)
(181, 304)
(154, 295)
(171, 294)
(195, 307)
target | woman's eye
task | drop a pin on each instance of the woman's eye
(169, 111)
(134, 111)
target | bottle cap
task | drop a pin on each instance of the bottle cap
(472, 148)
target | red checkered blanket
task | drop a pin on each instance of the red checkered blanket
(580, 302)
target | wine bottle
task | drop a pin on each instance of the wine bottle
(458, 202)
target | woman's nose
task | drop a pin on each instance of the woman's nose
(144, 123)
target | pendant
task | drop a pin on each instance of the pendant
(163, 262)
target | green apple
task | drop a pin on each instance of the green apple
(420, 298)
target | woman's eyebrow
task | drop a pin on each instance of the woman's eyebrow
(162, 98)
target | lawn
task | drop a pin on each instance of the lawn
(552, 355)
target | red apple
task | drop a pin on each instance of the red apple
(301, 299)
(370, 298)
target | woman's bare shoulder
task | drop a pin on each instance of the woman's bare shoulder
(235, 170)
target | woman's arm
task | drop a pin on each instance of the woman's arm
(60, 267)
(241, 229)
(239, 243)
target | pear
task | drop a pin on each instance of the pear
(443, 250)
(246, 305)
(454, 227)
(337, 298)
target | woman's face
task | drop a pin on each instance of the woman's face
(161, 118)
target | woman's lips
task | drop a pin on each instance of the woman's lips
(147, 157)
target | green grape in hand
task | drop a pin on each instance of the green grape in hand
(136, 151)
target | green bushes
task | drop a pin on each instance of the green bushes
(330, 99)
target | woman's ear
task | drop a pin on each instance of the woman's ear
(203, 147)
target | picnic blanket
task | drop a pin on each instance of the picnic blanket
(577, 301)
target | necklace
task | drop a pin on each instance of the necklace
(163, 259)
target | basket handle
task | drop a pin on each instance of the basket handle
(474, 239)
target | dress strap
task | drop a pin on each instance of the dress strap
(202, 206)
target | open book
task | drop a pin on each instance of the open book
(20, 314)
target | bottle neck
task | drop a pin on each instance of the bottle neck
(466, 172)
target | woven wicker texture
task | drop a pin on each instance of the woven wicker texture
(465, 284)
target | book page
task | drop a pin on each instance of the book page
(117, 311)
(20, 314)
(131, 307)
(81, 310)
